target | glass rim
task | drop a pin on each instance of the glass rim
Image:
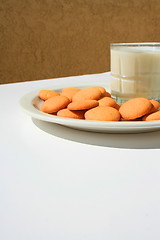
(135, 44)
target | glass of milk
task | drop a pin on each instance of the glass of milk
(135, 71)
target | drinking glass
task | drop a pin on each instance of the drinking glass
(135, 71)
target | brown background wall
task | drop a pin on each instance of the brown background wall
(42, 39)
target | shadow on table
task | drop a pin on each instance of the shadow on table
(149, 140)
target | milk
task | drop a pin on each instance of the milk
(135, 71)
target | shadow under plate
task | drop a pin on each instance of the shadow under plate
(150, 140)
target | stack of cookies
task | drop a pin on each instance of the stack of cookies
(95, 103)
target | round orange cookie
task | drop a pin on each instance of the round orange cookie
(104, 92)
(155, 104)
(71, 114)
(107, 102)
(135, 108)
(152, 117)
(103, 114)
(55, 104)
(92, 93)
(102, 89)
(84, 104)
(46, 94)
(69, 92)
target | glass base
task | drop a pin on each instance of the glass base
(121, 98)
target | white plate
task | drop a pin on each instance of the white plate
(31, 105)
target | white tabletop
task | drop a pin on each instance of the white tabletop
(64, 184)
